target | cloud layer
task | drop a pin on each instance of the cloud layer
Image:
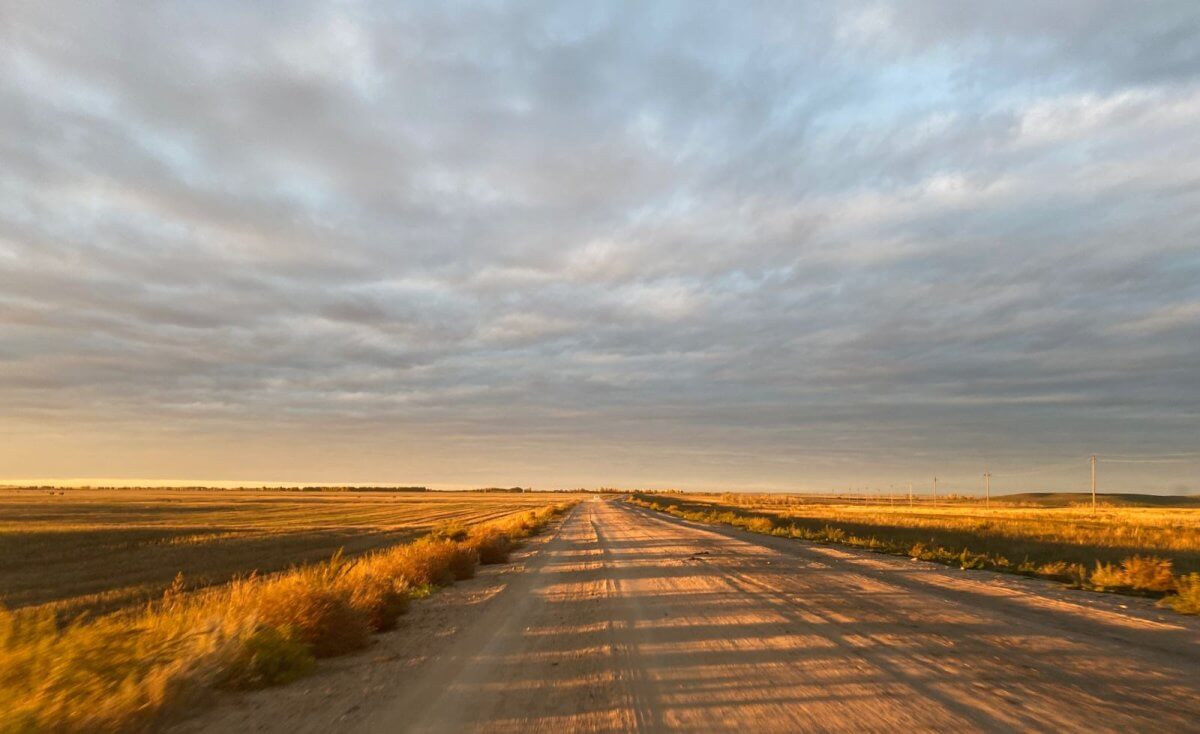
(759, 246)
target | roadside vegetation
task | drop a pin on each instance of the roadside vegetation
(132, 670)
(1153, 553)
(96, 551)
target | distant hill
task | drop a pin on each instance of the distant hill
(1066, 499)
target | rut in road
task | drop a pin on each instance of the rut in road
(632, 621)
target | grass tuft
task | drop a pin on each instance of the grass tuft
(1148, 573)
(492, 544)
(1136, 573)
(1186, 599)
(379, 597)
(314, 604)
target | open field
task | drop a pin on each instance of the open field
(1078, 499)
(632, 620)
(136, 669)
(1137, 550)
(93, 551)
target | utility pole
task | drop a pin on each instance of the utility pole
(910, 497)
(1093, 484)
(935, 490)
(987, 489)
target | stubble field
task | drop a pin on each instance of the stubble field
(101, 629)
(1148, 550)
(98, 550)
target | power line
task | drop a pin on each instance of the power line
(1108, 460)
(1040, 469)
(1179, 455)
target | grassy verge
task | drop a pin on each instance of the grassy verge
(96, 552)
(1141, 575)
(130, 672)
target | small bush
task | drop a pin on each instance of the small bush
(463, 561)
(426, 562)
(1107, 576)
(423, 591)
(1186, 599)
(831, 534)
(968, 560)
(492, 545)
(268, 657)
(759, 525)
(315, 606)
(1142, 573)
(521, 526)
(1148, 573)
(376, 595)
(1059, 570)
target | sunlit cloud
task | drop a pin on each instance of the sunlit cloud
(758, 246)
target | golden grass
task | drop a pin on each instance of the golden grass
(1186, 599)
(1141, 573)
(1124, 530)
(1126, 550)
(378, 596)
(131, 671)
(97, 551)
(313, 605)
(491, 543)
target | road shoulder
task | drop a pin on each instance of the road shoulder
(344, 692)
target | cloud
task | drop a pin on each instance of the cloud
(596, 244)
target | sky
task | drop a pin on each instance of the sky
(756, 246)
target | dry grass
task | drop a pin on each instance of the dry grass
(130, 671)
(1186, 599)
(492, 544)
(313, 605)
(98, 551)
(378, 596)
(1123, 530)
(1127, 550)
(1139, 573)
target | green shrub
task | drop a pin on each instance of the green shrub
(967, 560)
(270, 656)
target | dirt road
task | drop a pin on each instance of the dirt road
(628, 620)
